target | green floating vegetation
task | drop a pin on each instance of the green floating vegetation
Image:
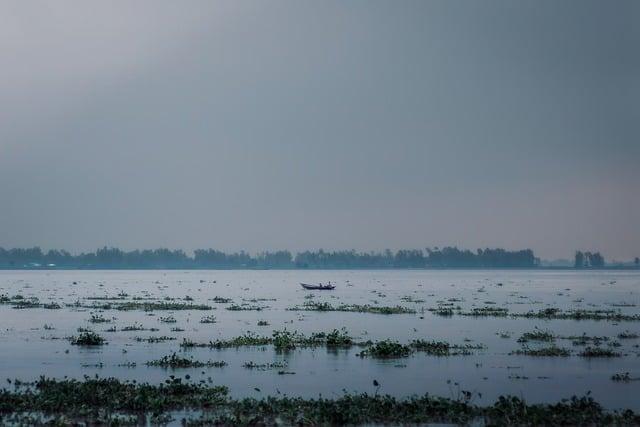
(153, 340)
(584, 339)
(338, 339)
(354, 308)
(20, 302)
(208, 319)
(551, 351)
(245, 307)
(386, 349)
(142, 306)
(249, 339)
(536, 335)
(626, 335)
(486, 312)
(95, 401)
(441, 348)
(590, 352)
(152, 306)
(106, 298)
(442, 311)
(264, 366)
(284, 340)
(623, 377)
(558, 314)
(97, 318)
(281, 340)
(138, 327)
(435, 348)
(546, 314)
(174, 362)
(88, 338)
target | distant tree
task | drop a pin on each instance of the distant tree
(637, 262)
(109, 257)
(596, 260)
(579, 260)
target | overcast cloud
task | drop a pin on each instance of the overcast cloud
(336, 124)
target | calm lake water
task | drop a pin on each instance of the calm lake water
(28, 349)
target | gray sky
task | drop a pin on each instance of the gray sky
(336, 124)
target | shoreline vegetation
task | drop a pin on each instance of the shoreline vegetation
(436, 258)
(112, 401)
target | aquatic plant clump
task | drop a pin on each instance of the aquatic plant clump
(536, 335)
(98, 401)
(590, 352)
(236, 307)
(338, 338)
(551, 351)
(264, 366)
(556, 313)
(249, 339)
(96, 318)
(624, 377)
(354, 308)
(442, 348)
(434, 348)
(153, 340)
(208, 319)
(626, 335)
(284, 340)
(20, 302)
(174, 361)
(487, 312)
(386, 349)
(88, 339)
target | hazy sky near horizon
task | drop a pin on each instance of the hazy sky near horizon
(337, 124)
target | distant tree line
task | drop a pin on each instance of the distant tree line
(588, 260)
(448, 257)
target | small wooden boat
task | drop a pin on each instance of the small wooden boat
(318, 287)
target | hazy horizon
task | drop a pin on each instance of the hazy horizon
(336, 125)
